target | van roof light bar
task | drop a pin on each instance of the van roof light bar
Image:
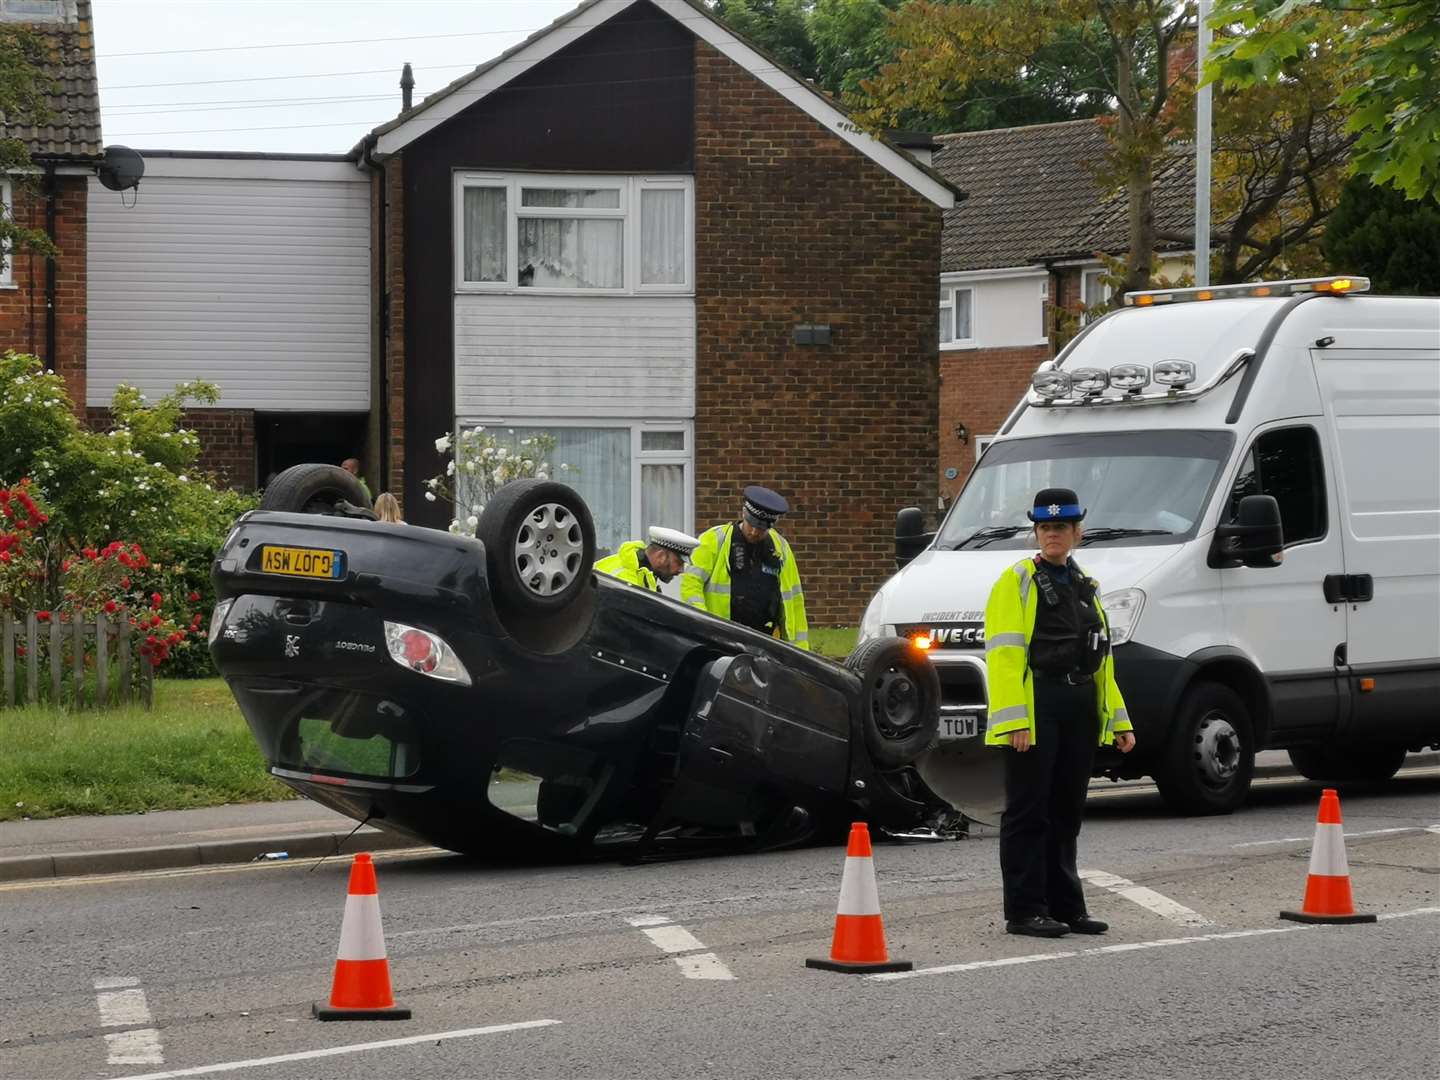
(1052, 388)
(1339, 285)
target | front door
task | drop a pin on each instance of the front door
(1279, 614)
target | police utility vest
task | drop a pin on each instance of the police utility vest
(710, 583)
(629, 564)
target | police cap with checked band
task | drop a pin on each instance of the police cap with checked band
(763, 507)
(1056, 504)
(673, 540)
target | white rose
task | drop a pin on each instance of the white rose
(470, 466)
(472, 521)
(454, 526)
(450, 468)
(442, 444)
(429, 496)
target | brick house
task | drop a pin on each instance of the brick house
(43, 300)
(1020, 262)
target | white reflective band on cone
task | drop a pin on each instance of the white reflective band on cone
(1327, 857)
(858, 895)
(361, 937)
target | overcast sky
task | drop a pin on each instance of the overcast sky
(174, 99)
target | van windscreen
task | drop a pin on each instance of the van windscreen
(1138, 487)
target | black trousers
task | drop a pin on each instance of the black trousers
(1044, 803)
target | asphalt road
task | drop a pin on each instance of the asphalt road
(207, 970)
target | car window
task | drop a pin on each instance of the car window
(1287, 465)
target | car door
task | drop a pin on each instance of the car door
(1278, 615)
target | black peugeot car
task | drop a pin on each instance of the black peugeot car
(496, 696)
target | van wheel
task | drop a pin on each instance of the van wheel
(315, 488)
(1207, 767)
(1347, 762)
(539, 544)
(899, 700)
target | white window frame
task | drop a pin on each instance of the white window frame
(982, 442)
(638, 457)
(628, 212)
(949, 303)
(1086, 276)
(7, 206)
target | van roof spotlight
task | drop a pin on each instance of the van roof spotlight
(1131, 378)
(1050, 384)
(1176, 374)
(1089, 380)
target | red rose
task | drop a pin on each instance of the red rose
(124, 582)
(125, 560)
(43, 616)
(111, 607)
(89, 553)
(155, 601)
(4, 556)
(194, 597)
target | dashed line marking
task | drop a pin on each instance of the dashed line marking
(336, 1051)
(1147, 898)
(1123, 947)
(685, 947)
(122, 1004)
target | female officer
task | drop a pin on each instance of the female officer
(1053, 699)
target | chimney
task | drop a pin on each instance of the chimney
(407, 87)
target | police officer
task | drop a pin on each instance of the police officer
(649, 564)
(1053, 699)
(746, 571)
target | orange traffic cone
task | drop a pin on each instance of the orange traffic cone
(1327, 890)
(859, 942)
(361, 990)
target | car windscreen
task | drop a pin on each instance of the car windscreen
(1138, 487)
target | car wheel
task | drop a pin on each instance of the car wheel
(1347, 762)
(1211, 757)
(899, 699)
(314, 489)
(539, 545)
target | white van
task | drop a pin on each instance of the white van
(1185, 421)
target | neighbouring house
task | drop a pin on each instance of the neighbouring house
(43, 300)
(1021, 261)
(633, 232)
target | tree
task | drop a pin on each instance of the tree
(1391, 89)
(780, 27)
(1091, 50)
(23, 87)
(1394, 241)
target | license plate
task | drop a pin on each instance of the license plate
(303, 562)
(959, 727)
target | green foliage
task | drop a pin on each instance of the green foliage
(780, 27)
(1391, 87)
(1378, 233)
(23, 86)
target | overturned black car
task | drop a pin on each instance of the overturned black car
(496, 696)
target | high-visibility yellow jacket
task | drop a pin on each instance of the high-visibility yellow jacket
(629, 564)
(706, 582)
(1009, 625)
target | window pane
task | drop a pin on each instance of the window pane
(662, 440)
(484, 215)
(662, 495)
(963, 298)
(662, 237)
(571, 253)
(947, 323)
(602, 198)
(1287, 465)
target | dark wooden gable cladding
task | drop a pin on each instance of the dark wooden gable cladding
(618, 100)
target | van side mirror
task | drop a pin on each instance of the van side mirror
(910, 535)
(1253, 539)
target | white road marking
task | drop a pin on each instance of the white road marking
(336, 1051)
(1123, 947)
(122, 1004)
(1149, 788)
(1348, 836)
(1147, 898)
(1433, 828)
(667, 937)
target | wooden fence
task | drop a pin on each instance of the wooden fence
(104, 670)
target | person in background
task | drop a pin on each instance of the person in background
(387, 508)
(647, 565)
(352, 466)
(745, 571)
(1053, 699)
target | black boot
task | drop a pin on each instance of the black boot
(1037, 926)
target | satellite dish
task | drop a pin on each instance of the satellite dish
(122, 168)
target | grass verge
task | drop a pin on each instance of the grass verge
(192, 749)
(836, 642)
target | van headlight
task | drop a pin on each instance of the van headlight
(1122, 608)
(872, 623)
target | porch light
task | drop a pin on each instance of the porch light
(1050, 384)
(1130, 377)
(1089, 380)
(1176, 374)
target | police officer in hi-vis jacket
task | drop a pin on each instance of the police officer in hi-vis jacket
(1053, 700)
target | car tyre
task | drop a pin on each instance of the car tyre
(1211, 757)
(539, 546)
(899, 700)
(1347, 762)
(314, 489)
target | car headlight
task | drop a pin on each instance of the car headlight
(1123, 607)
(872, 623)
